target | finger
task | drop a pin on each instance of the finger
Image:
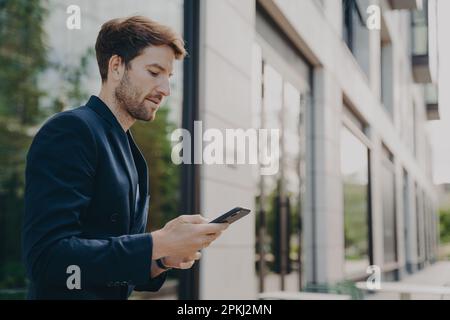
(213, 237)
(211, 228)
(208, 239)
(195, 219)
(195, 256)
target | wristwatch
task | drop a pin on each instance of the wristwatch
(161, 265)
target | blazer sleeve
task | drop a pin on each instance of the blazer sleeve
(59, 187)
(156, 283)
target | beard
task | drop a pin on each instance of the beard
(129, 98)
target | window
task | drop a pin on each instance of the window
(426, 227)
(419, 26)
(387, 83)
(418, 224)
(61, 64)
(70, 48)
(279, 196)
(281, 91)
(389, 212)
(355, 175)
(356, 34)
(407, 217)
(421, 227)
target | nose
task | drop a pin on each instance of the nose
(164, 88)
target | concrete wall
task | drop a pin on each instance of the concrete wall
(227, 267)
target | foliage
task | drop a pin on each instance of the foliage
(23, 54)
(355, 221)
(22, 58)
(164, 176)
(444, 219)
(24, 106)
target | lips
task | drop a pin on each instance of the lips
(154, 100)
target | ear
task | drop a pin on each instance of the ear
(116, 68)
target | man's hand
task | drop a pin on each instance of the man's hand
(176, 263)
(184, 235)
(180, 262)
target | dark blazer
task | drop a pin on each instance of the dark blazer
(82, 180)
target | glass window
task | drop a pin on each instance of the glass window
(386, 64)
(279, 103)
(389, 212)
(292, 165)
(426, 227)
(281, 193)
(418, 222)
(355, 175)
(355, 32)
(53, 68)
(419, 22)
(72, 53)
(407, 217)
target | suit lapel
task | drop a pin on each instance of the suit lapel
(120, 144)
(126, 158)
(141, 167)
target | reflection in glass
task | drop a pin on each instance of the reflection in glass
(272, 106)
(418, 222)
(389, 220)
(49, 68)
(291, 163)
(279, 201)
(68, 48)
(355, 174)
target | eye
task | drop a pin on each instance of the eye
(154, 74)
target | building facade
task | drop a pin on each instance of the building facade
(352, 99)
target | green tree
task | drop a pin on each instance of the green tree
(23, 55)
(23, 59)
(23, 63)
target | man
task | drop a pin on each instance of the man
(87, 183)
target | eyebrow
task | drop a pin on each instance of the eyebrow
(160, 67)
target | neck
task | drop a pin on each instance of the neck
(124, 118)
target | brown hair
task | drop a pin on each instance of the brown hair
(128, 37)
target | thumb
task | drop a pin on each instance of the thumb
(187, 265)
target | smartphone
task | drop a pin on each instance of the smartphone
(232, 215)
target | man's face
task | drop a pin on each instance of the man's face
(146, 82)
